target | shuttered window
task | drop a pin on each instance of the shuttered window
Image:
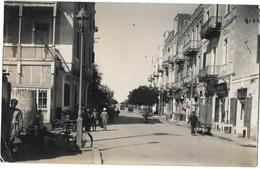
(233, 111)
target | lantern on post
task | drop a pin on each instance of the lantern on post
(81, 18)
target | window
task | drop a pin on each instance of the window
(197, 33)
(204, 61)
(42, 99)
(225, 51)
(93, 57)
(228, 8)
(66, 95)
(207, 15)
(242, 110)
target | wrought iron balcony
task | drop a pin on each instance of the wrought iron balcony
(171, 60)
(160, 70)
(188, 80)
(167, 86)
(177, 85)
(155, 74)
(165, 64)
(179, 58)
(191, 48)
(150, 78)
(209, 72)
(211, 27)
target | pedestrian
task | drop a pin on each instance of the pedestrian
(193, 120)
(94, 119)
(104, 117)
(84, 118)
(16, 125)
(38, 119)
(88, 120)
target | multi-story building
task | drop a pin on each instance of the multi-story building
(214, 68)
(41, 52)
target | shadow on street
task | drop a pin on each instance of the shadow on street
(32, 149)
(142, 135)
(134, 120)
(129, 145)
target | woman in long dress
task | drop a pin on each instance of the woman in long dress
(104, 117)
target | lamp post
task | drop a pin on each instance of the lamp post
(80, 18)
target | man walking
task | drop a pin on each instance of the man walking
(104, 117)
(94, 119)
(193, 120)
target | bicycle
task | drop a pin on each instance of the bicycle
(67, 136)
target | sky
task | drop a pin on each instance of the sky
(129, 36)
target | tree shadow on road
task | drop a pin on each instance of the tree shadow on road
(141, 135)
(134, 120)
(128, 145)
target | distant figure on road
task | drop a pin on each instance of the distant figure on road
(94, 119)
(104, 117)
(193, 120)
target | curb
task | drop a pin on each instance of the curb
(97, 159)
(231, 140)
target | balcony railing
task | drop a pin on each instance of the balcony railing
(160, 69)
(211, 71)
(179, 58)
(165, 64)
(178, 85)
(168, 85)
(187, 79)
(211, 27)
(35, 52)
(171, 60)
(155, 74)
(191, 48)
(150, 78)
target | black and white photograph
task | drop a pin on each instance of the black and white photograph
(130, 83)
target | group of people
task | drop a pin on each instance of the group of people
(93, 119)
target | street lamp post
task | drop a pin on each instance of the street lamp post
(80, 18)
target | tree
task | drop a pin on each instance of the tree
(99, 95)
(143, 95)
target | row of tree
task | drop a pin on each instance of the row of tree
(143, 95)
(100, 96)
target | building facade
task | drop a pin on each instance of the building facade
(41, 52)
(212, 68)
